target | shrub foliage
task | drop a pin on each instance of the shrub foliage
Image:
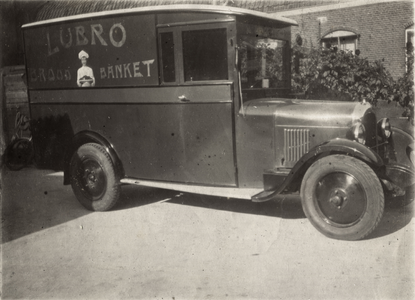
(342, 75)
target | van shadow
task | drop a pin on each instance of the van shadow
(133, 196)
(285, 206)
(394, 219)
(34, 201)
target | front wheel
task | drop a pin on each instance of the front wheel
(93, 177)
(342, 197)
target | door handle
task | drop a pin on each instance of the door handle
(183, 98)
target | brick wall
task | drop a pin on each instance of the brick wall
(381, 27)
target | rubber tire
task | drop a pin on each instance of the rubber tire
(108, 182)
(369, 183)
(18, 154)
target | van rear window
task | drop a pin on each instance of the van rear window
(205, 55)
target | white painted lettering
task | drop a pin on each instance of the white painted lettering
(51, 75)
(50, 51)
(81, 39)
(42, 74)
(33, 76)
(136, 69)
(69, 43)
(67, 75)
(97, 30)
(103, 73)
(59, 75)
(148, 63)
(118, 70)
(110, 72)
(127, 69)
(117, 35)
(124, 35)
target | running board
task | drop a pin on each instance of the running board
(264, 196)
(273, 180)
(227, 192)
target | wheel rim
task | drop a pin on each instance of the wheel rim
(92, 178)
(19, 153)
(341, 199)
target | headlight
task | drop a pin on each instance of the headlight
(359, 133)
(384, 128)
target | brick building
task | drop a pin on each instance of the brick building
(378, 29)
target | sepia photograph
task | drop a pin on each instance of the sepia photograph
(207, 149)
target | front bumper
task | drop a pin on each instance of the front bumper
(399, 167)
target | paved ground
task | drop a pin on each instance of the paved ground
(159, 244)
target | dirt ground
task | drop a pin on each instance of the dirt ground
(159, 244)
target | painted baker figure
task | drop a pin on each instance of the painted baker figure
(85, 74)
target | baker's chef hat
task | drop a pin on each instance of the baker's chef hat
(83, 54)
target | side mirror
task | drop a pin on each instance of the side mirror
(237, 57)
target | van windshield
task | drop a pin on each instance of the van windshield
(261, 62)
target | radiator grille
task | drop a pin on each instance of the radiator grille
(296, 143)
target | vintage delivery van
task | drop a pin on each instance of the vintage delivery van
(196, 98)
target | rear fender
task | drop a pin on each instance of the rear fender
(84, 137)
(336, 146)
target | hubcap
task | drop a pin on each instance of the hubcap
(338, 198)
(93, 179)
(341, 199)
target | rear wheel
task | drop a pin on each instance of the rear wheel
(18, 154)
(342, 197)
(94, 179)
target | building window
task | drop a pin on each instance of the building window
(409, 46)
(342, 40)
(409, 38)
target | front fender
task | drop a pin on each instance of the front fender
(347, 147)
(335, 146)
(401, 143)
(84, 137)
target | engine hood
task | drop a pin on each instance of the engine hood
(289, 112)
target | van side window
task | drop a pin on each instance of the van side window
(205, 55)
(167, 56)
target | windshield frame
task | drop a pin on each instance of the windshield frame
(262, 83)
